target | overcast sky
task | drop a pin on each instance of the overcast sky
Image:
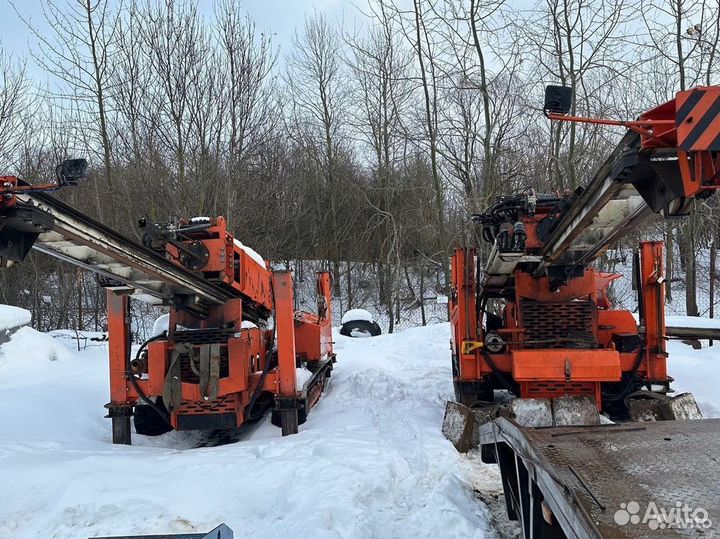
(280, 17)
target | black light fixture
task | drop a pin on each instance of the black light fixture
(558, 99)
(71, 170)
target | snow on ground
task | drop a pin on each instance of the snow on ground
(12, 317)
(697, 371)
(692, 322)
(695, 322)
(370, 461)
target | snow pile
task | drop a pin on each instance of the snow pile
(45, 403)
(161, 325)
(370, 462)
(681, 321)
(12, 317)
(301, 376)
(28, 349)
(696, 371)
(356, 314)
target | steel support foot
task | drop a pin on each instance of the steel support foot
(289, 421)
(121, 430)
(120, 416)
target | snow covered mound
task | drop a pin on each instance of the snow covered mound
(369, 462)
(692, 322)
(27, 350)
(696, 371)
(356, 314)
(161, 324)
(13, 317)
(699, 322)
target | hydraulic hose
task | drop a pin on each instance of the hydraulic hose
(496, 371)
(266, 368)
(133, 379)
(627, 383)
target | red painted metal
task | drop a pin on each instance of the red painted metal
(539, 316)
(688, 124)
(119, 345)
(244, 352)
(653, 308)
(285, 324)
(313, 332)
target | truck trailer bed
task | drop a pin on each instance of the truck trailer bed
(654, 479)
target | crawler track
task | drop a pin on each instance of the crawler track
(220, 437)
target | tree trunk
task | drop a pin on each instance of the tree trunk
(669, 261)
(348, 277)
(430, 106)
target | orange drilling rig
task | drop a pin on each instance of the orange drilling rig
(234, 343)
(538, 351)
(534, 318)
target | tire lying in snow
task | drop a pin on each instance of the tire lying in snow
(359, 323)
(360, 328)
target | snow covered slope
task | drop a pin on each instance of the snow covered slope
(13, 317)
(370, 462)
(697, 371)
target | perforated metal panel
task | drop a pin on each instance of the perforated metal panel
(204, 336)
(227, 403)
(549, 390)
(570, 324)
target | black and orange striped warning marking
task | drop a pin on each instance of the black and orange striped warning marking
(698, 119)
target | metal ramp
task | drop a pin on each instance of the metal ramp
(611, 481)
(220, 532)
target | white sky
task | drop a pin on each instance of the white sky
(281, 17)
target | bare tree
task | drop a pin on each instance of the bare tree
(682, 40)
(176, 46)
(249, 61)
(79, 53)
(573, 40)
(381, 94)
(16, 109)
(318, 90)
(424, 49)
